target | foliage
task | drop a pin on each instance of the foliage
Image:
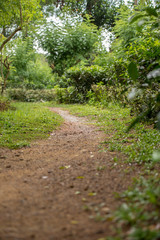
(138, 145)
(24, 95)
(149, 66)
(30, 70)
(60, 95)
(15, 16)
(10, 11)
(83, 77)
(68, 95)
(103, 95)
(134, 61)
(140, 212)
(26, 123)
(4, 103)
(69, 44)
(102, 12)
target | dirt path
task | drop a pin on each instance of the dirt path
(61, 188)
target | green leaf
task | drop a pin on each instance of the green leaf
(92, 194)
(135, 17)
(80, 177)
(156, 156)
(133, 71)
(151, 12)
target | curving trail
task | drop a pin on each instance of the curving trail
(61, 188)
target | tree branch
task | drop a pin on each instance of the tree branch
(16, 30)
(10, 37)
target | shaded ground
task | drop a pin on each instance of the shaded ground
(61, 188)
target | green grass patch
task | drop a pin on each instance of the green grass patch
(139, 216)
(27, 122)
(138, 145)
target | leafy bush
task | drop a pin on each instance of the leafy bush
(68, 95)
(137, 43)
(105, 94)
(84, 77)
(24, 95)
(69, 43)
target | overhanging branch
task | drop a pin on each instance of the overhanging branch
(10, 37)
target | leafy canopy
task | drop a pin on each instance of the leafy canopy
(68, 44)
(10, 11)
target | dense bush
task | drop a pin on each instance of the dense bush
(68, 95)
(24, 95)
(83, 77)
(104, 94)
(138, 44)
(58, 94)
(132, 67)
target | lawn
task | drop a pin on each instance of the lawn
(26, 122)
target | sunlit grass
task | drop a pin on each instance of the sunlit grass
(138, 144)
(27, 122)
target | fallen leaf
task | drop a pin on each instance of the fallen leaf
(65, 167)
(80, 177)
(106, 210)
(74, 222)
(77, 192)
(84, 199)
(92, 194)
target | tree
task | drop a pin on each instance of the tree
(103, 12)
(69, 44)
(14, 16)
(30, 70)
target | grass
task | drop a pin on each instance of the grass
(140, 212)
(27, 122)
(138, 145)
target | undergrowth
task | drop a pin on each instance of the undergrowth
(139, 215)
(26, 122)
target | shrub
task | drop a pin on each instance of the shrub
(104, 94)
(146, 101)
(31, 95)
(84, 77)
(68, 95)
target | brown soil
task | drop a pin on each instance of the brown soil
(62, 188)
